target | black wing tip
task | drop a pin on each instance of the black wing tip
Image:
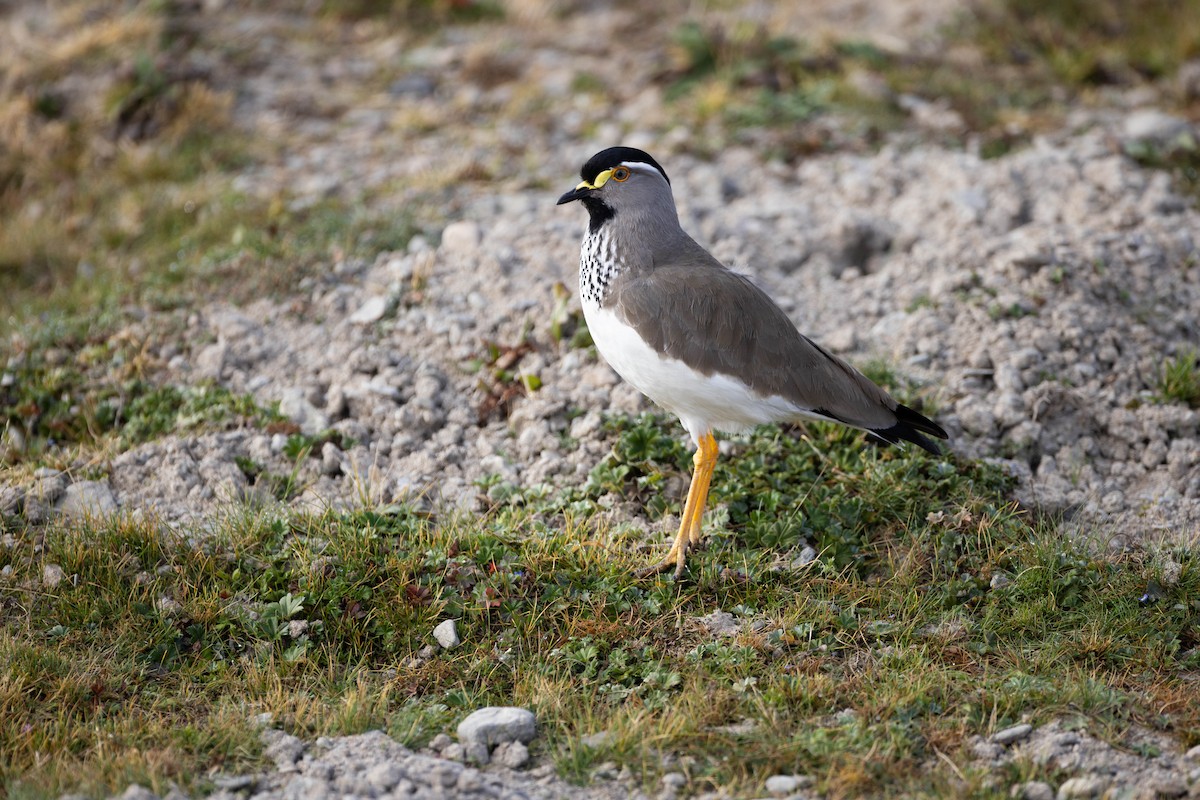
(912, 426)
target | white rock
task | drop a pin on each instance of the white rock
(461, 238)
(167, 606)
(1010, 410)
(11, 498)
(1168, 786)
(446, 634)
(282, 748)
(1013, 734)
(331, 459)
(806, 557)
(673, 781)
(210, 361)
(296, 407)
(496, 724)
(513, 755)
(1008, 379)
(383, 776)
(1034, 790)
(52, 575)
(372, 310)
(87, 499)
(780, 785)
(1082, 786)
(476, 753)
(1153, 125)
(721, 623)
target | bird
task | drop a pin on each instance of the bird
(702, 341)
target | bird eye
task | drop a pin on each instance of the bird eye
(620, 174)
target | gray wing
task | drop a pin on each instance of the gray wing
(716, 320)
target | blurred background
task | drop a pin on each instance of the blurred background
(154, 151)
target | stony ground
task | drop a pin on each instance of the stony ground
(1035, 296)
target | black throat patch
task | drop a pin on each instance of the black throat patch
(599, 212)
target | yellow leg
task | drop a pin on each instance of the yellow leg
(705, 459)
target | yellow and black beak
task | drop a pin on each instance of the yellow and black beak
(581, 191)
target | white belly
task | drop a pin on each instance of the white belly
(702, 402)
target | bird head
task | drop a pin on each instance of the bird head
(620, 179)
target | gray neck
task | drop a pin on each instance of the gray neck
(627, 244)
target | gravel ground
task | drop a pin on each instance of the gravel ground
(1036, 295)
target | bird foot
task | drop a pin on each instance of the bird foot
(665, 565)
(675, 559)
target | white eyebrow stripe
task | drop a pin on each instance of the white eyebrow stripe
(640, 166)
(643, 167)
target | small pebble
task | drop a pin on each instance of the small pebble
(383, 776)
(1033, 790)
(490, 726)
(673, 780)
(806, 557)
(1083, 786)
(720, 623)
(780, 785)
(1012, 735)
(234, 783)
(446, 634)
(513, 755)
(476, 752)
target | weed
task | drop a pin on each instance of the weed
(1179, 380)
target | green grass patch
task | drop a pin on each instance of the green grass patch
(934, 610)
(1179, 380)
(71, 389)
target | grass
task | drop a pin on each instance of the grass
(67, 389)
(1179, 380)
(1008, 70)
(858, 669)
(118, 190)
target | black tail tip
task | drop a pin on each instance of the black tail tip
(911, 426)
